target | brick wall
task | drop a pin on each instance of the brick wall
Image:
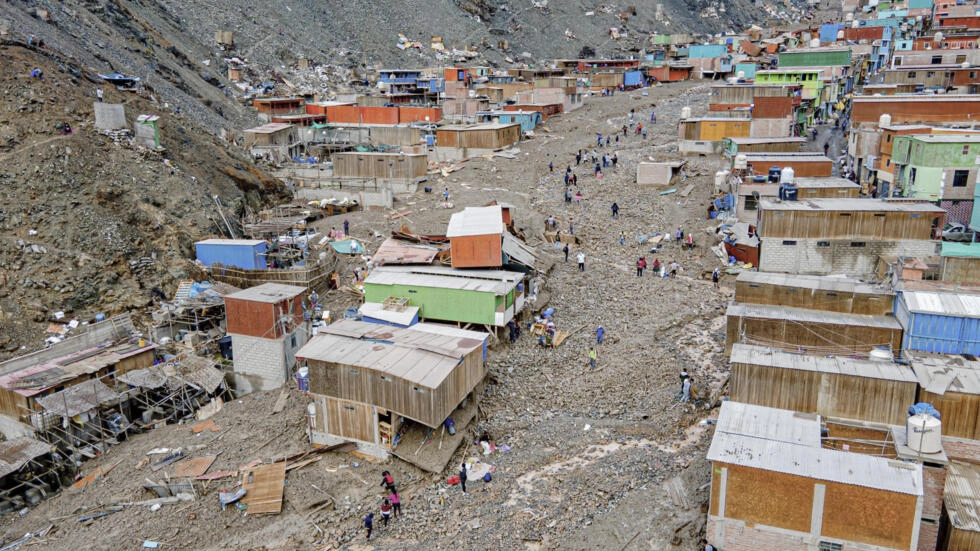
(261, 361)
(804, 256)
(928, 536)
(962, 449)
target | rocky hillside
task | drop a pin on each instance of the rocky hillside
(76, 210)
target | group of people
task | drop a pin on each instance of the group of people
(391, 505)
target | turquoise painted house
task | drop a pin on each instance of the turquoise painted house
(528, 120)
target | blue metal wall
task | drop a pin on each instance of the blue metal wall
(634, 78)
(937, 333)
(241, 255)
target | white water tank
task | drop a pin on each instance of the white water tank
(855, 24)
(924, 433)
(685, 112)
(814, 42)
(840, 35)
(884, 120)
(741, 162)
(880, 354)
(938, 37)
(848, 17)
(741, 74)
(787, 175)
(965, 65)
(732, 80)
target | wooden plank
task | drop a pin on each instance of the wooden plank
(193, 468)
(264, 487)
(281, 401)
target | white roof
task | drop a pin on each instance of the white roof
(766, 311)
(781, 425)
(822, 283)
(788, 442)
(822, 464)
(240, 242)
(939, 374)
(377, 310)
(838, 365)
(499, 282)
(942, 304)
(476, 221)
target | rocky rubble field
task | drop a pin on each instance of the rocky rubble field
(598, 458)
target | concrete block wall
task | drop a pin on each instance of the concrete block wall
(262, 362)
(834, 256)
(736, 535)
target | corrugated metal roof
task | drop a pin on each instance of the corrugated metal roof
(851, 205)
(942, 304)
(939, 374)
(269, 128)
(15, 453)
(268, 293)
(519, 252)
(962, 496)
(822, 283)
(756, 141)
(787, 158)
(838, 365)
(424, 356)
(818, 463)
(395, 251)
(765, 311)
(78, 398)
(781, 425)
(56, 371)
(498, 282)
(476, 221)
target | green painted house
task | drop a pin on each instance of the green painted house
(808, 79)
(937, 167)
(815, 57)
(483, 297)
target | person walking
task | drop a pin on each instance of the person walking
(568, 195)
(674, 266)
(705, 546)
(98, 94)
(581, 261)
(615, 210)
(715, 277)
(462, 477)
(679, 235)
(622, 238)
(565, 250)
(593, 357)
(551, 167)
(684, 376)
(578, 158)
(346, 226)
(388, 481)
(396, 504)
(386, 511)
(656, 265)
(653, 117)
(571, 227)
(600, 334)
(369, 524)
(641, 265)
(578, 197)
(615, 159)
(686, 390)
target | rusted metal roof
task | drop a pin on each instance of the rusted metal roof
(395, 251)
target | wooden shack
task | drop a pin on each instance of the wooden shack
(829, 294)
(804, 165)
(960, 263)
(368, 380)
(960, 525)
(20, 389)
(810, 331)
(832, 187)
(734, 146)
(848, 218)
(478, 139)
(773, 486)
(835, 386)
(952, 385)
(275, 139)
(278, 106)
(411, 167)
(475, 237)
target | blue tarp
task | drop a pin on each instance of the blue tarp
(923, 407)
(724, 202)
